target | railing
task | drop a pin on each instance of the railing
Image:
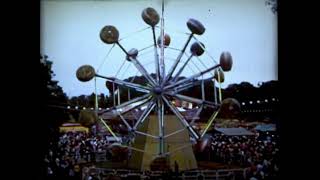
(101, 156)
(221, 174)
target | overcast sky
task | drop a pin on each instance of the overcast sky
(70, 37)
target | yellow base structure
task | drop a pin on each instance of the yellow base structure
(178, 145)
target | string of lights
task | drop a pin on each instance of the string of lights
(79, 107)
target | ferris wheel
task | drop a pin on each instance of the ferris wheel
(165, 85)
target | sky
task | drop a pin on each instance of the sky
(70, 37)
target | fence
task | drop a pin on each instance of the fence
(221, 174)
(101, 156)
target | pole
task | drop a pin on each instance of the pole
(202, 90)
(113, 95)
(215, 91)
(129, 94)
(118, 95)
(181, 69)
(156, 56)
(96, 96)
(162, 66)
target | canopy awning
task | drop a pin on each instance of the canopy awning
(266, 127)
(73, 129)
(234, 131)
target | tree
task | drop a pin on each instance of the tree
(88, 117)
(74, 101)
(102, 101)
(51, 96)
(82, 101)
(91, 100)
(273, 4)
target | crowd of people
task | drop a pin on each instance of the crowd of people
(259, 154)
(72, 149)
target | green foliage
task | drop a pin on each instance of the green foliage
(52, 93)
(88, 117)
(273, 4)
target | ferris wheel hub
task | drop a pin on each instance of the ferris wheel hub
(157, 90)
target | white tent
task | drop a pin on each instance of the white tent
(234, 131)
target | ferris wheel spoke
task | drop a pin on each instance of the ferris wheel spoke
(205, 50)
(178, 149)
(146, 134)
(143, 71)
(162, 65)
(175, 132)
(125, 121)
(196, 115)
(143, 98)
(132, 85)
(212, 118)
(175, 64)
(142, 103)
(192, 78)
(194, 100)
(181, 118)
(160, 109)
(146, 96)
(184, 87)
(194, 64)
(156, 55)
(131, 56)
(135, 149)
(110, 130)
(145, 48)
(181, 69)
(145, 114)
(188, 85)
